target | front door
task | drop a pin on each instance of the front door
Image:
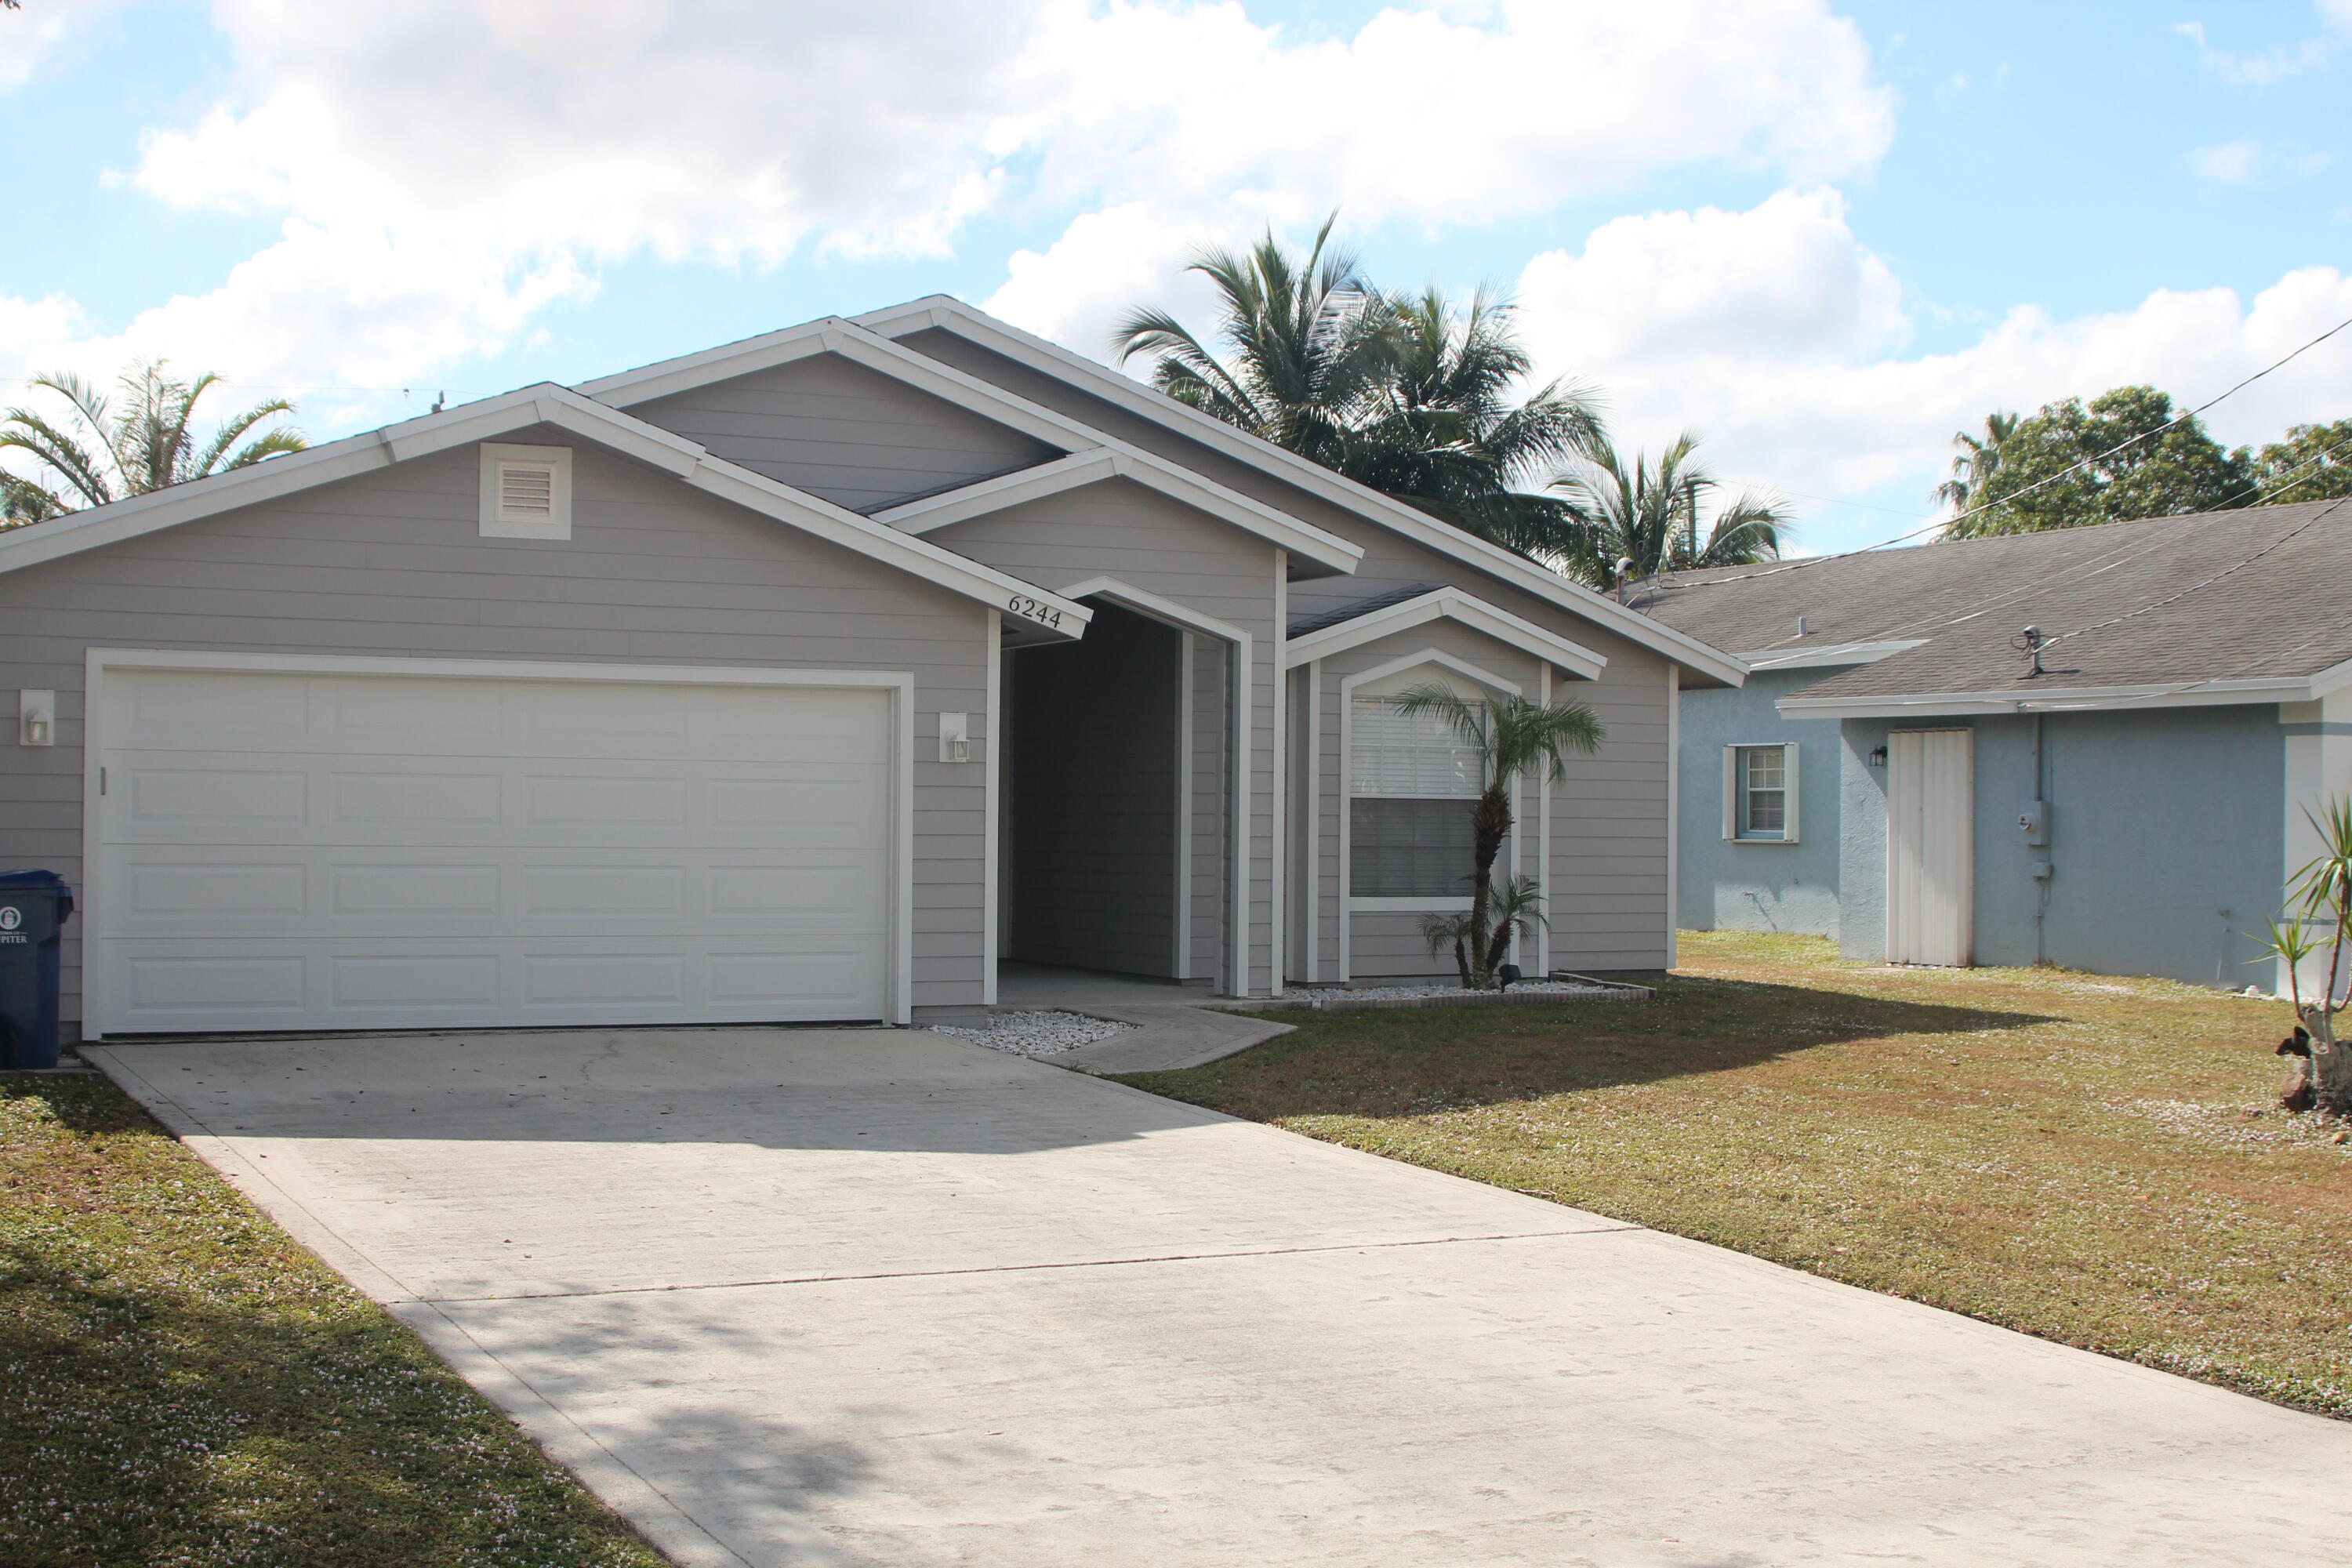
(1930, 846)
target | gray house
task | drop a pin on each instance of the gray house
(806, 679)
(1904, 771)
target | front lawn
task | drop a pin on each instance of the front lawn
(182, 1386)
(2076, 1156)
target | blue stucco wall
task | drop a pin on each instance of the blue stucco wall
(2165, 827)
(1756, 885)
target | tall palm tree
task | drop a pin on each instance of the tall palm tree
(1409, 395)
(1977, 459)
(1449, 436)
(1515, 737)
(97, 455)
(1632, 519)
(1306, 340)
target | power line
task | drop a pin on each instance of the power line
(1946, 522)
(2195, 587)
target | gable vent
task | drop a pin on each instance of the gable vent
(525, 491)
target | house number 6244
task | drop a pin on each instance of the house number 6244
(1030, 609)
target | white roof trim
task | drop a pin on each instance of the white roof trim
(1461, 666)
(1849, 653)
(955, 316)
(2055, 700)
(545, 403)
(924, 373)
(1157, 607)
(1080, 469)
(1448, 604)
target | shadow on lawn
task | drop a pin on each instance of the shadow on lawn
(1397, 1063)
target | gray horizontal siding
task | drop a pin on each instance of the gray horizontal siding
(839, 431)
(392, 564)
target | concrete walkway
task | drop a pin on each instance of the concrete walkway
(840, 1297)
(1176, 1027)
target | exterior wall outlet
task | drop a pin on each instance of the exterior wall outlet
(2042, 870)
(955, 737)
(36, 717)
(2035, 819)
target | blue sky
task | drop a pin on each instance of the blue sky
(1825, 236)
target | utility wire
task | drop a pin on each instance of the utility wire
(1946, 522)
(2307, 527)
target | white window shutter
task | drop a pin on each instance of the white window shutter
(1731, 792)
(1789, 799)
(525, 491)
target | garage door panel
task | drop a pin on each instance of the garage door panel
(730, 859)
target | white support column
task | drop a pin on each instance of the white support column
(1185, 719)
(1311, 930)
(1277, 920)
(1237, 977)
(1674, 805)
(1542, 964)
(992, 650)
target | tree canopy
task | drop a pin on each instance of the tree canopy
(1659, 516)
(2314, 463)
(2134, 462)
(91, 454)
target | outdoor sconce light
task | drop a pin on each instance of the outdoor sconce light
(1878, 756)
(36, 717)
(955, 737)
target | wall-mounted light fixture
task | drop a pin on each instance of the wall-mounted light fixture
(36, 717)
(955, 737)
(1878, 756)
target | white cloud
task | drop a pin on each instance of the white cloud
(1770, 331)
(482, 156)
(2316, 53)
(2230, 164)
(29, 34)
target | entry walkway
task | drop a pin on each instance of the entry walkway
(879, 1298)
(1176, 1027)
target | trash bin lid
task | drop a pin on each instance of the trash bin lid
(32, 881)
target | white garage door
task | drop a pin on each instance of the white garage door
(296, 851)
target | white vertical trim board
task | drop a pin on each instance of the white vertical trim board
(1673, 810)
(1278, 922)
(992, 808)
(1345, 876)
(1185, 719)
(1312, 926)
(1238, 983)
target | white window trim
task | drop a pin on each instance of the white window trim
(497, 522)
(1349, 901)
(898, 962)
(1731, 792)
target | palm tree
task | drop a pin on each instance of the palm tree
(1306, 337)
(98, 456)
(1407, 395)
(1449, 439)
(1637, 519)
(1978, 458)
(1515, 737)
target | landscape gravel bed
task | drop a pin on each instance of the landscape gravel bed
(1398, 993)
(1038, 1033)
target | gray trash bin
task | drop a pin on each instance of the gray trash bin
(32, 905)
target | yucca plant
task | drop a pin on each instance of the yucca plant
(1515, 737)
(2319, 918)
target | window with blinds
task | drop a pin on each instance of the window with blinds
(1412, 778)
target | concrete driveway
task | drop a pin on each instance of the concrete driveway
(833, 1297)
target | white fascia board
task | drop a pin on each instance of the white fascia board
(1461, 666)
(1850, 653)
(2331, 680)
(934, 512)
(1125, 391)
(545, 403)
(1448, 604)
(2077, 699)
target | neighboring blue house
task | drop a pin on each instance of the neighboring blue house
(1904, 771)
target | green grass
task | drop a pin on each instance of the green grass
(182, 1386)
(2072, 1155)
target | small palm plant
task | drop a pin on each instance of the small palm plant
(2319, 920)
(97, 454)
(1515, 737)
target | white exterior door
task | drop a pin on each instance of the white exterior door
(1930, 846)
(335, 851)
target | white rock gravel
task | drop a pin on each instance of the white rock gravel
(1400, 993)
(1039, 1034)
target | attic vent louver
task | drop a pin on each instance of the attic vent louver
(525, 491)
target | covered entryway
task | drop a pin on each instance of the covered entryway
(1930, 846)
(350, 844)
(1099, 784)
